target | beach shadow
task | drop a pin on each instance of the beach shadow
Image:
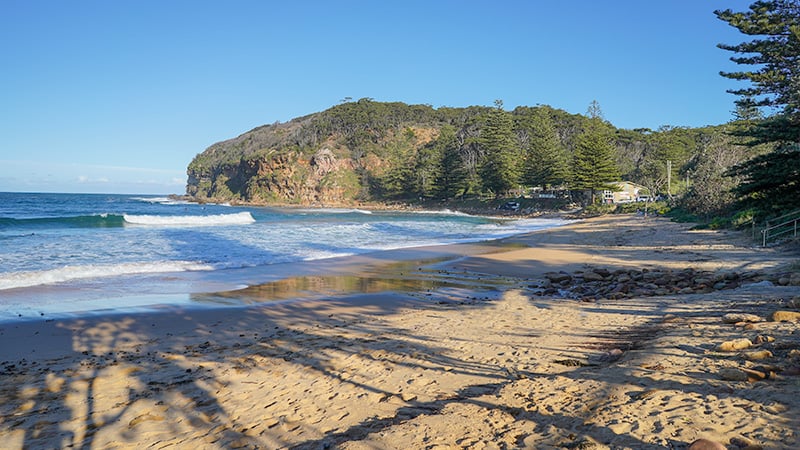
(212, 378)
(121, 379)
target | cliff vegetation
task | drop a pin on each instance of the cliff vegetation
(376, 152)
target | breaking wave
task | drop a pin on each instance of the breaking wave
(241, 218)
(71, 273)
(88, 221)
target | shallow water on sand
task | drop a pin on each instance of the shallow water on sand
(67, 253)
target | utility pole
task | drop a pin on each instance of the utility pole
(669, 179)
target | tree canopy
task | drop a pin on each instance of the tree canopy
(500, 169)
(546, 162)
(770, 182)
(775, 54)
(595, 166)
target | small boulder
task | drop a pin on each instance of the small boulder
(705, 444)
(736, 344)
(786, 316)
(732, 374)
(757, 355)
(592, 276)
(758, 374)
(558, 277)
(702, 281)
(741, 317)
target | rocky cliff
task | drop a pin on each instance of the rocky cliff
(335, 157)
(367, 151)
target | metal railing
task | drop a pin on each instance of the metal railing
(781, 226)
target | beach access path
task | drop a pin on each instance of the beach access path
(511, 367)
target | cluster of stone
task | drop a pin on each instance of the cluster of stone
(787, 279)
(600, 283)
(763, 357)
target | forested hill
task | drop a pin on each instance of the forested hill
(365, 151)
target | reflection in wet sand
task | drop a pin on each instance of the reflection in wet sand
(403, 277)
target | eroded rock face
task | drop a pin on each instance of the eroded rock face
(341, 156)
(291, 178)
(324, 162)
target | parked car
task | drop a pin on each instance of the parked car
(644, 198)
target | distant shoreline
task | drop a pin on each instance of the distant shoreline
(485, 208)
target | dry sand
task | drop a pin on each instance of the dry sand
(447, 367)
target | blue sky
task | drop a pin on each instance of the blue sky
(119, 96)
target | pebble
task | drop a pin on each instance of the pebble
(763, 339)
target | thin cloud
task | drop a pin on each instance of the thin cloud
(91, 166)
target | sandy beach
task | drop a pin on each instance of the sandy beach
(612, 332)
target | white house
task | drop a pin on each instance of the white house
(624, 192)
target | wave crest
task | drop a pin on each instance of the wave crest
(71, 273)
(88, 221)
(241, 218)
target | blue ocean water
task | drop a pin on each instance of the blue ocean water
(86, 244)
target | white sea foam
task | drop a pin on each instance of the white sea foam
(241, 218)
(161, 200)
(71, 273)
(333, 211)
(443, 212)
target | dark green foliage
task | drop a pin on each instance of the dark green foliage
(546, 162)
(710, 191)
(451, 173)
(776, 54)
(397, 180)
(500, 169)
(595, 160)
(771, 181)
(665, 155)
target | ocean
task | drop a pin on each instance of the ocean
(68, 253)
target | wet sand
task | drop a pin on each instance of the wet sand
(457, 352)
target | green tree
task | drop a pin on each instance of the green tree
(775, 82)
(546, 162)
(594, 163)
(667, 151)
(710, 192)
(451, 176)
(500, 170)
(397, 179)
(771, 181)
